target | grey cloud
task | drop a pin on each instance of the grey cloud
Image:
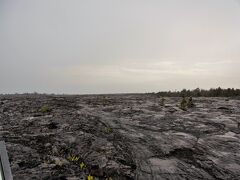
(137, 45)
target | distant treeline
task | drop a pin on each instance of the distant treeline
(218, 92)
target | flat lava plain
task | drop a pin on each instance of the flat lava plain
(129, 136)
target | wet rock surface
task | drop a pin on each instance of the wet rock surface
(120, 137)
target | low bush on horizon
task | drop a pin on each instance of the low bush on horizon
(213, 92)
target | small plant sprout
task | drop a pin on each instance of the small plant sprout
(108, 130)
(82, 165)
(90, 177)
(73, 158)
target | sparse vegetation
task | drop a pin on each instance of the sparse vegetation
(87, 140)
(45, 109)
(162, 101)
(77, 160)
(108, 130)
(190, 103)
(90, 177)
(183, 104)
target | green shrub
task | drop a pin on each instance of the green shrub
(190, 103)
(108, 130)
(45, 109)
(183, 104)
(162, 101)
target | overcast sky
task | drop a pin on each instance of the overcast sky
(113, 46)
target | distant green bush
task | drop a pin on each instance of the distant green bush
(162, 102)
(108, 130)
(45, 109)
(190, 103)
(183, 104)
(213, 92)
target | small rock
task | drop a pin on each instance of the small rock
(55, 150)
(60, 161)
(47, 145)
(15, 167)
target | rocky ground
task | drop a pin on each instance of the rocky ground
(120, 137)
